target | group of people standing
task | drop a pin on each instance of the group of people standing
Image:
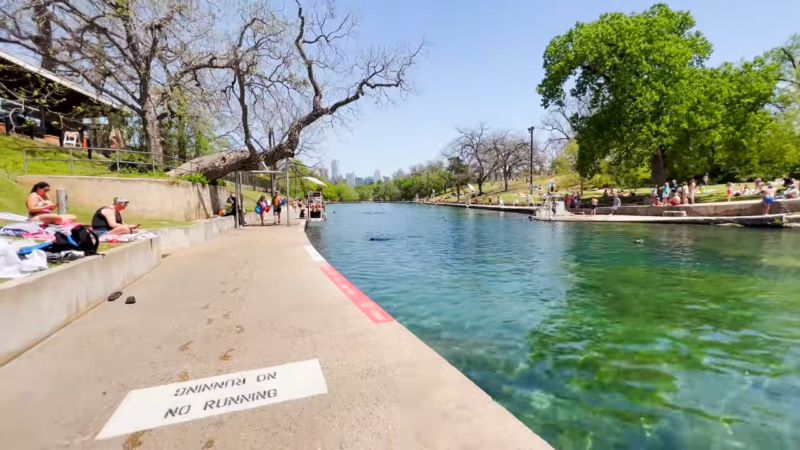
(673, 194)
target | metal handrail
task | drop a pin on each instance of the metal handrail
(155, 160)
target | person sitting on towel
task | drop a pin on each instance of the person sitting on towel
(108, 220)
(40, 207)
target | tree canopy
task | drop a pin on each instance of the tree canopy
(650, 99)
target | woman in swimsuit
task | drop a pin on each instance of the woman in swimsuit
(40, 207)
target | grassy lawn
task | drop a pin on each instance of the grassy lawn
(12, 195)
(12, 161)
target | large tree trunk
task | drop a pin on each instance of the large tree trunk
(152, 134)
(44, 38)
(658, 167)
(218, 165)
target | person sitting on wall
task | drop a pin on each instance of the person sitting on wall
(791, 191)
(107, 220)
(234, 206)
(40, 207)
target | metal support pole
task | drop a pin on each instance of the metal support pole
(25, 160)
(62, 199)
(530, 177)
(235, 206)
(71, 162)
(116, 153)
(240, 199)
(288, 207)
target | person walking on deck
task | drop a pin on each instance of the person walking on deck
(276, 208)
(617, 204)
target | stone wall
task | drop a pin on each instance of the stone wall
(34, 307)
(149, 198)
(719, 209)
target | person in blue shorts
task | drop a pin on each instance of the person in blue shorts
(769, 197)
(276, 208)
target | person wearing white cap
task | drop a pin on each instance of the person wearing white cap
(108, 219)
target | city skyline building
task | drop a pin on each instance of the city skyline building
(351, 179)
(335, 169)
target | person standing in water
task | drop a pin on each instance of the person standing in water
(276, 208)
(769, 197)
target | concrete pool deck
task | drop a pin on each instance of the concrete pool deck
(252, 298)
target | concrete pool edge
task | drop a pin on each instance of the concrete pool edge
(773, 220)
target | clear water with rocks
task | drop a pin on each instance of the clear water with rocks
(688, 340)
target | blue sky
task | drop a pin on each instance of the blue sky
(485, 62)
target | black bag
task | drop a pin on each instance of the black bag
(81, 238)
(87, 241)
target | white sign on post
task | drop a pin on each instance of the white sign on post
(190, 400)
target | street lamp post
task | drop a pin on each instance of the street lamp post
(530, 181)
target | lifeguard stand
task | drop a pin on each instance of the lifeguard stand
(316, 206)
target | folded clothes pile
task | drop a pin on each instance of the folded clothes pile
(119, 238)
(14, 266)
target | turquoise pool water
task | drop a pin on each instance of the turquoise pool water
(689, 340)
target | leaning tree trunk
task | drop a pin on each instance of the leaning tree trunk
(217, 165)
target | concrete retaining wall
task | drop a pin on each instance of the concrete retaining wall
(181, 237)
(150, 198)
(721, 209)
(31, 309)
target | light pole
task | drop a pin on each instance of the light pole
(530, 181)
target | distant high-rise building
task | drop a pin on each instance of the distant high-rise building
(359, 181)
(376, 175)
(335, 170)
(351, 179)
(323, 173)
(385, 179)
(369, 180)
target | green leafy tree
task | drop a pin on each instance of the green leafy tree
(459, 173)
(651, 101)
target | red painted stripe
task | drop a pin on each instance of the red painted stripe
(371, 309)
